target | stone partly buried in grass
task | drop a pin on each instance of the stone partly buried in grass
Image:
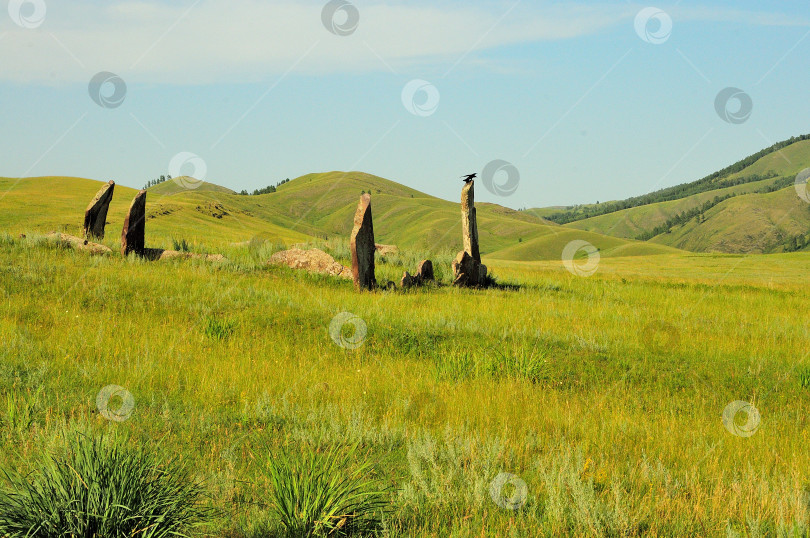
(362, 246)
(314, 260)
(77, 243)
(95, 216)
(424, 274)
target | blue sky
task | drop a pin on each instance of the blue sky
(584, 99)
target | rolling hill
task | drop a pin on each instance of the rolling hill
(750, 206)
(311, 207)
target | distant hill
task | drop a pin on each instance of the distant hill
(750, 206)
(184, 184)
(314, 206)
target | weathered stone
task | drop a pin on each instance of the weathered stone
(425, 271)
(314, 260)
(469, 224)
(95, 216)
(155, 254)
(468, 271)
(133, 236)
(385, 250)
(362, 246)
(407, 281)
(77, 243)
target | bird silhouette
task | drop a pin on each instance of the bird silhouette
(469, 178)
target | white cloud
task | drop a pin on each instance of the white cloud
(247, 40)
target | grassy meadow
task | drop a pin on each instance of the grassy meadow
(603, 394)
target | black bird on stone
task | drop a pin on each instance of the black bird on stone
(469, 178)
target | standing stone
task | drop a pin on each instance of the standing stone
(133, 235)
(362, 246)
(95, 216)
(467, 267)
(469, 224)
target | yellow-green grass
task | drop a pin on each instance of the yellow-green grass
(604, 394)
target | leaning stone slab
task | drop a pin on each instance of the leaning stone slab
(133, 235)
(362, 246)
(95, 216)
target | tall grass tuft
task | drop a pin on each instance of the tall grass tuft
(99, 487)
(325, 493)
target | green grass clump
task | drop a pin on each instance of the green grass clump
(99, 487)
(324, 493)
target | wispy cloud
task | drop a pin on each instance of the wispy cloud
(210, 41)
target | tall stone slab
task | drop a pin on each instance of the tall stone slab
(469, 224)
(95, 216)
(362, 246)
(467, 267)
(133, 236)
